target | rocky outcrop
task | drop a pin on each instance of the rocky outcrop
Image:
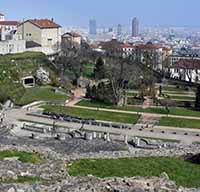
(93, 184)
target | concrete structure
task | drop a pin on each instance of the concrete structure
(28, 81)
(12, 46)
(135, 27)
(12, 43)
(44, 32)
(92, 27)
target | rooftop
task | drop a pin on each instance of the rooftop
(187, 64)
(9, 23)
(43, 23)
(73, 34)
(148, 46)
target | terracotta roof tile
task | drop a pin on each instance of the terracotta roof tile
(187, 64)
(43, 23)
(148, 46)
(9, 23)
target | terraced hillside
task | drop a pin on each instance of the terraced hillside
(15, 66)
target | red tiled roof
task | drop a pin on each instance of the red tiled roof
(9, 23)
(43, 23)
(187, 64)
(167, 49)
(73, 34)
(126, 45)
(148, 46)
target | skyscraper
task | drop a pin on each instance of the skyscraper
(135, 27)
(92, 27)
(119, 29)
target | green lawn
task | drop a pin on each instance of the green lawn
(88, 70)
(23, 156)
(184, 173)
(173, 110)
(175, 88)
(98, 115)
(40, 94)
(185, 98)
(180, 122)
(23, 179)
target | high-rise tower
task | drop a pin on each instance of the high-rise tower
(119, 29)
(92, 27)
(135, 27)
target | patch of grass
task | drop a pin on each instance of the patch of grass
(175, 88)
(185, 98)
(196, 142)
(180, 122)
(23, 156)
(183, 173)
(96, 114)
(88, 70)
(40, 94)
(131, 94)
(173, 110)
(23, 179)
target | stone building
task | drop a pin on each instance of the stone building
(44, 32)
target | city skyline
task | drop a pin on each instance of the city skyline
(153, 13)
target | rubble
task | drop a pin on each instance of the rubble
(93, 184)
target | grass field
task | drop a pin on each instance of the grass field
(184, 173)
(23, 156)
(98, 115)
(180, 122)
(173, 110)
(175, 88)
(40, 94)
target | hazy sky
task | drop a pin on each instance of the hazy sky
(106, 12)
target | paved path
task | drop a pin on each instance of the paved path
(14, 115)
(78, 96)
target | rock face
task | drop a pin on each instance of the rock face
(92, 184)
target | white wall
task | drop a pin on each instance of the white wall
(12, 46)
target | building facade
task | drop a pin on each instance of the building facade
(92, 27)
(135, 27)
(44, 32)
(70, 40)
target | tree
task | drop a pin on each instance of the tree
(99, 71)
